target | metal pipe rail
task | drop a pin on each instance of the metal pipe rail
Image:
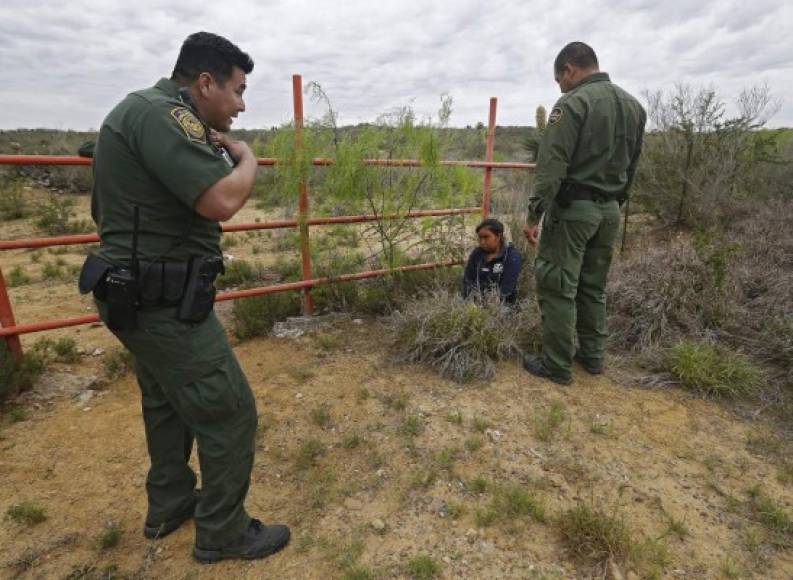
(10, 331)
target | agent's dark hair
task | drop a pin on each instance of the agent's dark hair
(577, 54)
(493, 225)
(210, 53)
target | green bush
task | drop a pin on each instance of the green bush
(17, 277)
(238, 273)
(117, 363)
(719, 373)
(55, 218)
(13, 204)
(256, 316)
(13, 378)
(27, 513)
(423, 567)
(66, 350)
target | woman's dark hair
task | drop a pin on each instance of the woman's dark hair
(207, 52)
(493, 225)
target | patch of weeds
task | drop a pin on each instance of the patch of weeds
(300, 374)
(765, 510)
(358, 573)
(455, 417)
(320, 488)
(477, 485)
(117, 362)
(765, 445)
(13, 202)
(256, 316)
(509, 504)
(411, 426)
(229, 242)
(349, 554)
(51, 271)
(480, 424)
(784, 474)
(238, 273)
(110, 537)
(731, 569)
(352, 440)
(17, 414)
(14, 377)
(27, 513)
(398, 402)
(362, 394)
(714, 372)
(65, 349)
(473, 444)
(423, 478)
(591, 535)
(327, 341)
(423, 567)
(308, 453)
(320, 415)
(446, 458)
(17, 277)
(676, 528)
(456, 510)
(599, 425)
(547, 424)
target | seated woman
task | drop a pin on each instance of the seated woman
(494, 265)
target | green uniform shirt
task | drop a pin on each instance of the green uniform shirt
(153, 152)
(593, 137)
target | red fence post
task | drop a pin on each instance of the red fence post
(491, 141)
(7, 319)
(305, 249)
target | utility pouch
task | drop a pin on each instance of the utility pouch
(92, 274)
(151, 282)
(122, 299)
(199, 292)
(174, 277)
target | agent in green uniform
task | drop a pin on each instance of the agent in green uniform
(585, 166)
(165, 174)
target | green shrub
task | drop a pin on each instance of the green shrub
(719, 373)
(309, 452)
(423, 567)
(117, 362)
(13, 204)
(17, 277)
(256, 316)
(16, 378)
(66, 350)
(55, 218)
(238, 273)
(547, 424)
(110, 537)
(26, 512)
(510, 503)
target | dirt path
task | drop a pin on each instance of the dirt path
(379, 497)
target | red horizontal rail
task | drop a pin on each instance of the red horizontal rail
(30, 243)
(233, 295)
(319, 161)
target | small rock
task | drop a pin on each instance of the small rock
(357, 321)
(486, 547)
(470, 535)
(493, 435)
(87, 409)
(98, 352)
(380, 472)
(378, 525)
(446, 560)
(299, 396)
(85, 396)
(438, 506)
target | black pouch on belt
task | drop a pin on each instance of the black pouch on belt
(92, 276)
(199, 292)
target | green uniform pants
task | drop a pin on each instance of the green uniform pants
(192, 386)
(573, 259)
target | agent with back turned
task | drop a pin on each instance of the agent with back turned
(585, 166)
(165, 174)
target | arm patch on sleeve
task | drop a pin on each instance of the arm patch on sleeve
(555, 116)
(192, 127)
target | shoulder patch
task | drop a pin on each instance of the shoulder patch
(555, 116)
(189, 123)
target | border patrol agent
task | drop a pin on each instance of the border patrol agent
(165, 174)
(586, 164)
(494, 265)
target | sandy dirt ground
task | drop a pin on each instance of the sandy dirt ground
(396, 450)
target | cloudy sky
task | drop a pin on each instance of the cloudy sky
(65, 65)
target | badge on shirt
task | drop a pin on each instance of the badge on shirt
(555, 115)
(498, 268)
(189, 123)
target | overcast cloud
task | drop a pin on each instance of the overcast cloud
(65, 65)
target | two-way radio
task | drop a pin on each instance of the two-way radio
(122, 288)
